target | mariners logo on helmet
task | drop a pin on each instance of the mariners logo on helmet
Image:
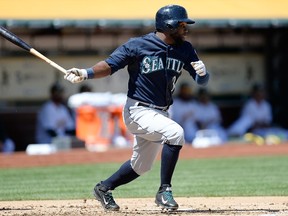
(169, 17)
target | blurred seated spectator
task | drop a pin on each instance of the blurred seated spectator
(54, 119)
(256, 117)
(255, 114)
(183, 111)
(85, 88)
(208, 116)
(7, 145)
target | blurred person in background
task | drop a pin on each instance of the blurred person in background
(256, 114)
(85, 88)
(7, 145)
(183, 111)
(208, 115)
(256, 120)
(54, 118)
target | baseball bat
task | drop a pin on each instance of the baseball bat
(19, 42)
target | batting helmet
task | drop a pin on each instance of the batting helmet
(169, 17)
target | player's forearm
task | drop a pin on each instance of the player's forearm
(202, 80)
(101, 69)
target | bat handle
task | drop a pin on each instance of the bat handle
(53, 64)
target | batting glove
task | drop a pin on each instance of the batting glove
(76, 75)
(199, 67)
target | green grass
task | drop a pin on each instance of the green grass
(247, 176)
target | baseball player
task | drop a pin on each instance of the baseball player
(155, 61)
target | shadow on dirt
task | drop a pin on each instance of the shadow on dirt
(211, 211)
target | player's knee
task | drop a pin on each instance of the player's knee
(144, 170)
(141, 170)
(173, 148)
(177, 137)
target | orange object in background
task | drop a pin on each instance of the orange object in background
(89, 126)
(117, 120)
(98, 126)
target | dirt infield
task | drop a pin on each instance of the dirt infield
(198, 206)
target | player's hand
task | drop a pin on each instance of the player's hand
(76, 75)
(199, 67)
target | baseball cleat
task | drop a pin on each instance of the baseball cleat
(164, 198)
(105, 197)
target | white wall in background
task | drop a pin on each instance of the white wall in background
(29, 78)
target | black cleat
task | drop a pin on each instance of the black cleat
(164, 198)
(105, 197)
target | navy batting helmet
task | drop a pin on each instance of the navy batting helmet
(169, 17)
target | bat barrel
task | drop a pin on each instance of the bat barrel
(14, 39)
(17, 41)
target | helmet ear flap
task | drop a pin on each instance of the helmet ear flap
(171, 25)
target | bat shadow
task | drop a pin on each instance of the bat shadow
(15, 209)
(213, 211)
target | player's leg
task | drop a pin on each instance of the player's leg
(151, 128)
(133, 168)
(169, 158)
(173, 142)
(144, 154)
(142, 160)
(155, 126)
(102, 190)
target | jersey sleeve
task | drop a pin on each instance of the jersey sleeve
(122, 56)
(192, 57)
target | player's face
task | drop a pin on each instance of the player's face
(180, 35)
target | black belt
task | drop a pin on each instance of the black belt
(152, 106)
